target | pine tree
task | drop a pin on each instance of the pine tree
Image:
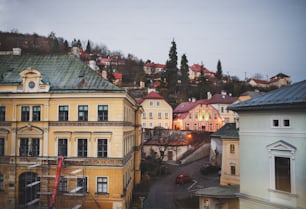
(184, 77)
(219, 71)
(88, 47)
(171, 69)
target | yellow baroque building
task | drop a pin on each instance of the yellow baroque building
(53, 106)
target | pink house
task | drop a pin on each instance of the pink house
(198, 116)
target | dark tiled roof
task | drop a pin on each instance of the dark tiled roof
(293, 96)
(229, 130)
(62, 72)
(222, 99)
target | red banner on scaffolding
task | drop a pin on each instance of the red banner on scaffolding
(57, 179)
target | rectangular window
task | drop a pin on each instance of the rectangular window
(62, 184)
(187, 126)
(36, 113)
(102, 113)
(286, 123)
(1, 183)
(34, 147)
(25, 113)
(150, 115)
(275, 123)
(144, 115)
(82, 182)
(282, 174)
(62, 147)
(102, 147)
(151, 103)
(82, 147)
(232, 148)
(23, 147)
(63, 113)
(233, 170)
(1, 146)
(159, 115)
(2, 113)
(157, 103)
(166, 115)
(102, 185)
(83, 113)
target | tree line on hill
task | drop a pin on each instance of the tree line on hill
(174, 86)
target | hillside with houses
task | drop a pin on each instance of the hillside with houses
(77, 126)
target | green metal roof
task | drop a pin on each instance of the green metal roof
(61, 72)
(289, 97)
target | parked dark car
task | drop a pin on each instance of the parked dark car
(209, 169)
(183, 178)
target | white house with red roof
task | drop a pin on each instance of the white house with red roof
(196, 69)
(221, 102)
(157, 112)
(197, 115)
(151, 68)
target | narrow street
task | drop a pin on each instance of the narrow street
(164, 191)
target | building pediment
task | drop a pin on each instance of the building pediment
(32, 81)
(281, 146)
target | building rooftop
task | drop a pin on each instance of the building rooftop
(229, 130)
(218, 192)
(293, 96)
(61, 72)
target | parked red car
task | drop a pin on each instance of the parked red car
(183, 178)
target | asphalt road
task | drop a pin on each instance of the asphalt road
(164, 191)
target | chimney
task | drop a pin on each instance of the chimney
(17, 51)
(209, 95)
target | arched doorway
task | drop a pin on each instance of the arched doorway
(29, 186)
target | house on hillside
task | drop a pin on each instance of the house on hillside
(151, 68)
(157, 111)
(280, 80)
(197, 116)
(196, 70)
(272, 149)
(221, 102)
(53, 106)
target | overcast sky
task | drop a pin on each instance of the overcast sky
(248, 36)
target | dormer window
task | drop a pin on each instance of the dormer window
(32, 81)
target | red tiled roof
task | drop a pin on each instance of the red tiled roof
(222, 99)
(259, 81)
(117, 75)
(154, 65)
(153, 95)
(187, 106)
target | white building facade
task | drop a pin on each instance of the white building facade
(272, 149)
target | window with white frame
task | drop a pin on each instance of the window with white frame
(82, 182)
(102, 148)
(62, 186)
(82, 147)
(62, 147)
(281, 123)
(282, 166)
(29, 147)
(102, 184)
(63, 112)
